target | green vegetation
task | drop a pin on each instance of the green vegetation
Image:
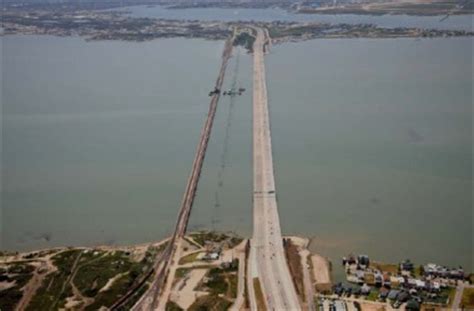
(208, 236)
(446, 296)
(217, 283)
(192, 242)
(259, 295)
(135, 297)
(94, 273)
(234, 241)
(419, 271)
(55, 289)
(222, 281)
(159, 249)
(20, 274)
(189, 258)
(116, 290)
(233, 285)
(468, 298)
(181, 273)
(172, 306)
(244, 39)
(89, 271)
(471, 278)
(296, 269)
(373, 295)
(210, 303)
(204, 237)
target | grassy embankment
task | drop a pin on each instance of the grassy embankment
(296, 269)
(259, 295)
(468, 298)
(19, 274)
(100, 277)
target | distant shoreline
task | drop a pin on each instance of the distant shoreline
(318, 11)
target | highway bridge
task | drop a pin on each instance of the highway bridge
(267, 262)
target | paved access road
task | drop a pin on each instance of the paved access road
(267, 257)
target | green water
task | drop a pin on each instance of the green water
(372, 143)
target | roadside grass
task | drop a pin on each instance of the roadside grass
(259, 295)
(447, 295)
(468, 298)
(93, 271)
(296, 269)
(134, 298)
(181, 273)
(189, 258)
(96, 271)
(53, 291)
(112, 294)
(159, 249)
(20, 273)
(233, 285)
(210, 303)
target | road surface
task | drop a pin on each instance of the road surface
(267, 257)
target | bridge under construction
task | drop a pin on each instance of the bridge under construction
(267, 262)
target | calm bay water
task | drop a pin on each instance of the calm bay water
(459, 22)
(373, 146)
(372, 143)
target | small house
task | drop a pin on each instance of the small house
(393, 294)
(365, 290)
(403, 296)
(407, 265)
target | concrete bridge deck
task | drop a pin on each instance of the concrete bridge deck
(267, 256)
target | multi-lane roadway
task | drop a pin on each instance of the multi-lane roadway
(267, 257)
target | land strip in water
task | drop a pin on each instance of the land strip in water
(413, 7)
(408, 7)
(102, 25)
